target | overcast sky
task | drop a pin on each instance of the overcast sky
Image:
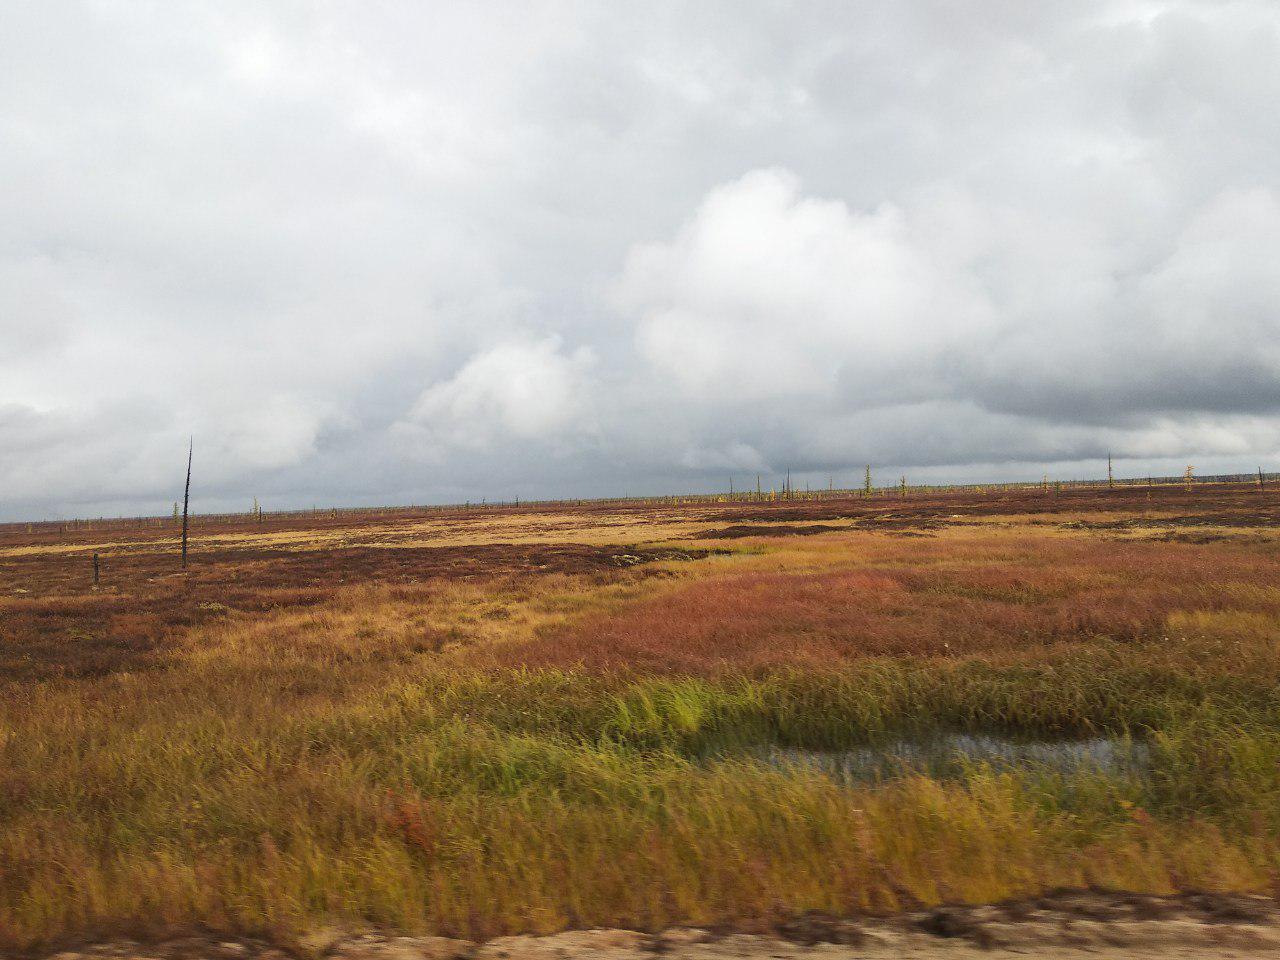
(400, 252)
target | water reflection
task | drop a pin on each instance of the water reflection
(949, 755)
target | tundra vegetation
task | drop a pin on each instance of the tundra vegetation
(505, 719)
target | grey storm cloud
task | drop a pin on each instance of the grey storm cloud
(405, 253)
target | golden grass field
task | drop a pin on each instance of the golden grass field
(486, 721)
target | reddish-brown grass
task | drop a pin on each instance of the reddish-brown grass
(918, 600)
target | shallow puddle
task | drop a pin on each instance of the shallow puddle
(950, 755)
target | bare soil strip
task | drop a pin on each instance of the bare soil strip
(1060, 925)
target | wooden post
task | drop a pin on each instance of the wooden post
(95, 568)
(186, 500)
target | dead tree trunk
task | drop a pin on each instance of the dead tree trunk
(186, 500)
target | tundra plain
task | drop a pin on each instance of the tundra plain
(474, 723)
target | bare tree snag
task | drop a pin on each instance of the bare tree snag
(186, 500)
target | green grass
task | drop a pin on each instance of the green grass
(483, 802)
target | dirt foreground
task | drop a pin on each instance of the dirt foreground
(1069, 924)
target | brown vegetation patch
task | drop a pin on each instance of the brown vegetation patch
(1246, 519)
(62, 625)
(738, 532)
(1234, 503)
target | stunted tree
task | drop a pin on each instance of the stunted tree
(186, 500)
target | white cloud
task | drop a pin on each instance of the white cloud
(281, 431)
(767, 292)
(524, 389)
(735, 457)
(577, 248)
(34, 312)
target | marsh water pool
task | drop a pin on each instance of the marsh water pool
(952, 755)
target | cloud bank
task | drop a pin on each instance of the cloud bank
(392, 254)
